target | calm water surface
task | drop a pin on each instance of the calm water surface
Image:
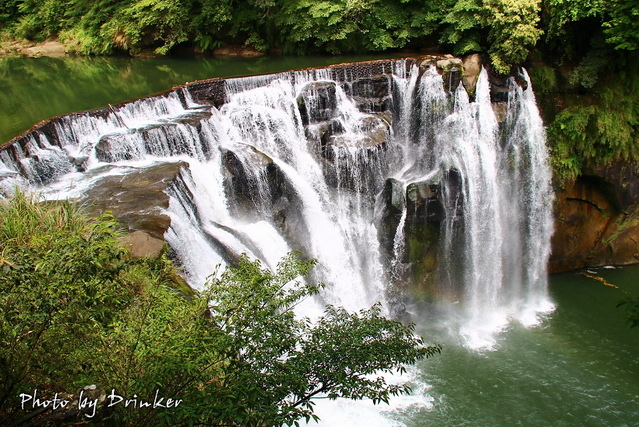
(34, 89)
(580, 367)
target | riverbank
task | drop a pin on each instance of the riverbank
(24, 48)
(54, 48)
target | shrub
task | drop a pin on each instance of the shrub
(76, 310)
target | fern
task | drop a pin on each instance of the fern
(601, 132)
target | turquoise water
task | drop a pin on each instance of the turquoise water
(578, 367)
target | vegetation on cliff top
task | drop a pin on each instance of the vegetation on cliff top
(584, 73)
(598, 127)
(76, 310)
(506, 29)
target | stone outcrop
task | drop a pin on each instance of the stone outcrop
(450, 67)
(50, 48)
(472, 68)
(142, 245)
(137, 200)
(597, 220)
(420, 234)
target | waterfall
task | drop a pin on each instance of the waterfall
(392, 180)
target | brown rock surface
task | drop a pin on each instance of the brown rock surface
(590, 228)
(472, 68)
(143, 245)
(51, 48)
(136, 199)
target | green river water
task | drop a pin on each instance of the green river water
(579, 367)
(34, 89)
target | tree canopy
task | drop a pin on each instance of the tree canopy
(76, 310)
(505, 29)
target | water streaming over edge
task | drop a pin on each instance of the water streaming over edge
(494, 180)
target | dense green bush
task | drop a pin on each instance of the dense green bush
(505, 29)
(599, 129)
(354, 26)
(9, 10)
(64, 281)
(75, 310)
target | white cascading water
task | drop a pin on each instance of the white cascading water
(507, 277)
(494, 179)
(494, 240)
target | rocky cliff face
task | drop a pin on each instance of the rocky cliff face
(597, 220)
(596, 215)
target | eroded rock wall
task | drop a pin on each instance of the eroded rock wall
(597, 220)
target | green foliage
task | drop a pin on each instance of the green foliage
(161, 342)
(598, 126)
(75, 310)
(543, 77)
(463, 25)
(41, 19)
(297, 25)
(163, 23)
(9, 10)
(562, 13)
(571, 143)
(621, 29)
(506, 29)
(513, 31)
(350, 26)
(592, 64)
(86, 27)
(585, 31)
(252, 22)
(275, 363)
(59, 284)
(617, 18)
(598, 132)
